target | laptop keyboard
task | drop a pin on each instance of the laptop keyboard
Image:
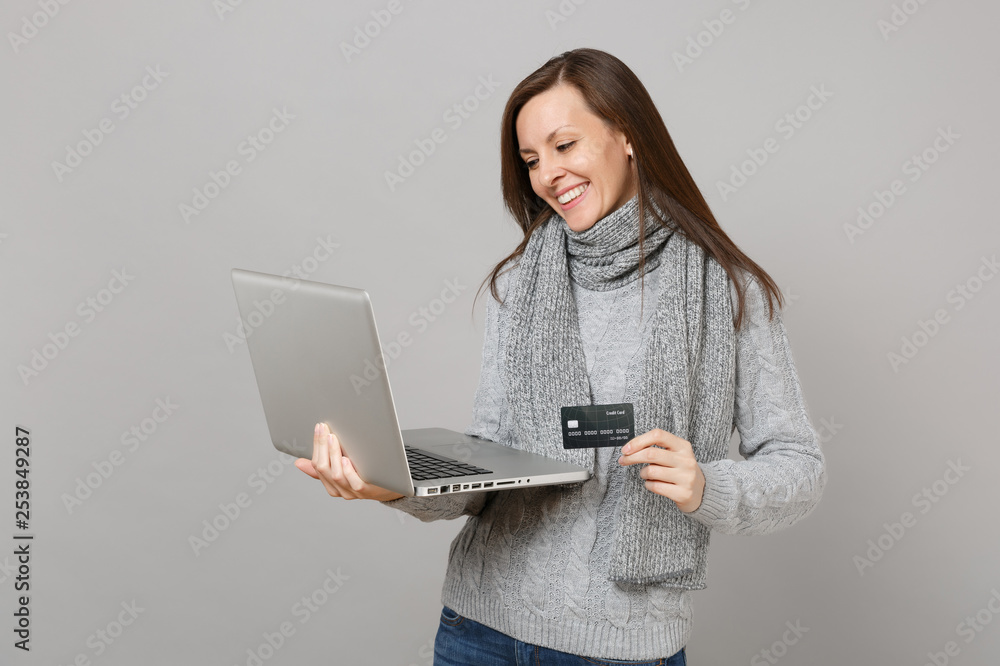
(425, 465)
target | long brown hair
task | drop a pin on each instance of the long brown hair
(615, 94)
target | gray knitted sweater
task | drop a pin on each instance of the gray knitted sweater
(533, 563)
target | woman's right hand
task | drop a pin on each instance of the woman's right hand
(335, 470)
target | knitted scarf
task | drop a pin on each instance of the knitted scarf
(689, 378)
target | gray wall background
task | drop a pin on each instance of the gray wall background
(891, 432)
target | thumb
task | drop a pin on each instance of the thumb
(306, 466)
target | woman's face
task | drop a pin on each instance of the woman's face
(576, 163)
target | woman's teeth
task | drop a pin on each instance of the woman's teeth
(572, 194)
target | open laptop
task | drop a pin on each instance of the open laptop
(316, 355)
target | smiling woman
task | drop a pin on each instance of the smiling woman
(581, 167)
(590, 97)
(602, 571)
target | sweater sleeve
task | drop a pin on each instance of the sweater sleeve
(781, 479)
(488, 406)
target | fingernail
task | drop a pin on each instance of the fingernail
(626, 449)
(620, 458)
(316, 431)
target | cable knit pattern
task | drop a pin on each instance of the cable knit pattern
(534, 563)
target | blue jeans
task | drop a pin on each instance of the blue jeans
(464, 642)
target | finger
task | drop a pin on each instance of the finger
(661, 474)
(329, 472)
(306, 466)
(336, 458)
(321, 456)
(337, 474)
(680, 485)
(351, 474)
(655, 437)
(668, 490)
(318, 441)
(332, 488)
(653, 455)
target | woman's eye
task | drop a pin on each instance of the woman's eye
(567, 145)
(531, 164)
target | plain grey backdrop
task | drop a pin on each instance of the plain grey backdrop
(150, 147)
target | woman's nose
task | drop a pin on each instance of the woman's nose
(550, 170)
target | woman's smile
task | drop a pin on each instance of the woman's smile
(573, 196)
(576, 162)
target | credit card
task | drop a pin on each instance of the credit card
(597, 425)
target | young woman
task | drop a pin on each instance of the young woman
(623, 290)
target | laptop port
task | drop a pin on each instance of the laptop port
(505, 483)
(444, 489)
(465, 486)
(488, 484)
(432, 491)
(455, 488)
(476, 485)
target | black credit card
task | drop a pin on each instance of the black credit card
(597, 425)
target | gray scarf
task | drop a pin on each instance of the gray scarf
(688, 384)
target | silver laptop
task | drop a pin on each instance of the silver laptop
(317, 358)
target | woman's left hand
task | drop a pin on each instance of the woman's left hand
(672, 470)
